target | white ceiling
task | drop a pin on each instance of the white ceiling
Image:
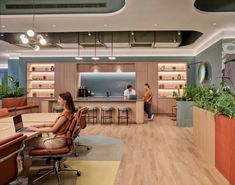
(135, 15)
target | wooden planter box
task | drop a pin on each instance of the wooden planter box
(204, 134)
(225, 147)
(184, 115)
(14, 102)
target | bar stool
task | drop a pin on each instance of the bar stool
(57, 108)
(92, 114)
(106, 114)
(123, 113)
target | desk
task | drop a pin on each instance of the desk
(7, 126)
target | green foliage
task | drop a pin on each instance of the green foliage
(217, 100)
(188, 95)
(12, 91)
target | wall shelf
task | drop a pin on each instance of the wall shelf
(172, 77)
(40, 80)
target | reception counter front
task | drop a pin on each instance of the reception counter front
(136, 107)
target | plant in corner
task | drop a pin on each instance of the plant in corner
(14, 90)
(184, 105)
(13, 95)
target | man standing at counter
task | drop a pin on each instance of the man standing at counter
(129, 91)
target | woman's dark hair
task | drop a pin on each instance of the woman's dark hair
(129, 86)
(69, 100)
(146, 84)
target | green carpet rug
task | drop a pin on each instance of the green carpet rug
(98, 166)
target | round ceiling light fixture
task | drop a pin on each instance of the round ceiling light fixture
(30, 33)
(36, 48)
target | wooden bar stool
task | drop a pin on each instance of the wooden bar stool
(106, 114)
(123, 113)
(92, 114)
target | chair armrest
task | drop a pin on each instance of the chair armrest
(12, 154)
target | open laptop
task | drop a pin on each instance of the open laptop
(18, 123)
(133, 97)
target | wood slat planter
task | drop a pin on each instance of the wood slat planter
(204, 134)
(225, 147)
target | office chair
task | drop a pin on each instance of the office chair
(57, 154)
(82, 124)
(10, 147)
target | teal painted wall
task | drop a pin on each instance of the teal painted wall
(212, 55)
(22, 63)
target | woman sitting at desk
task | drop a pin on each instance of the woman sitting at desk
(56, 135)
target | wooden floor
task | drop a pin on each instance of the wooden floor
(158, 153)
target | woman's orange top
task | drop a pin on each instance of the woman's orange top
(148, 96)
(63, 129)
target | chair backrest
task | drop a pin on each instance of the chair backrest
(75, 126)
(82, 120)
(4, 112)
(9, 149)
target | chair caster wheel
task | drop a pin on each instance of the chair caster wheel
(78, 174)
(87, 148)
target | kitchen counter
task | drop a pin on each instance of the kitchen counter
(136, 107)
(99, 99)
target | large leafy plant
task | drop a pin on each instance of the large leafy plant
(217, 100)
(188, 95)
(14, 90)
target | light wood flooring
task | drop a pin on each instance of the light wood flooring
(158, 153)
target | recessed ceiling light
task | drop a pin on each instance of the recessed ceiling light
(3, 26)
(89, 33)
(155, 25)
(214, 24)
(53, 25)
(132, 33)
(105, 25)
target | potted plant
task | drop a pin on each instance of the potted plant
(184, 106)
(13, 95)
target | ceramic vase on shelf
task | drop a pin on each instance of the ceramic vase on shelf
(162, 68)
(52, 68)
(179, 77)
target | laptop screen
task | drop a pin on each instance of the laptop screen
(18, 122)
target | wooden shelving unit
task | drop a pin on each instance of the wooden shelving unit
(172, 77)
(40, 80)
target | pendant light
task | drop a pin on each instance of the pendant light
(1, 34)
(78, 57)
(30, 32)
(31, 38)
(112, 57)
(95, 57)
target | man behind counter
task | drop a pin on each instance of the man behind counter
(129, 91)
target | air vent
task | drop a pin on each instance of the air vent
(55, 6)
(92, 45)
(141, 45)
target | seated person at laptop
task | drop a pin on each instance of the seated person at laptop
(56, 135)
(129, 91)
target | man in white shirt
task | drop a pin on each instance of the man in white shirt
(129, 91)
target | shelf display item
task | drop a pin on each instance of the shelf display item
(162, 68)
(179, 77)
(52, 68)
